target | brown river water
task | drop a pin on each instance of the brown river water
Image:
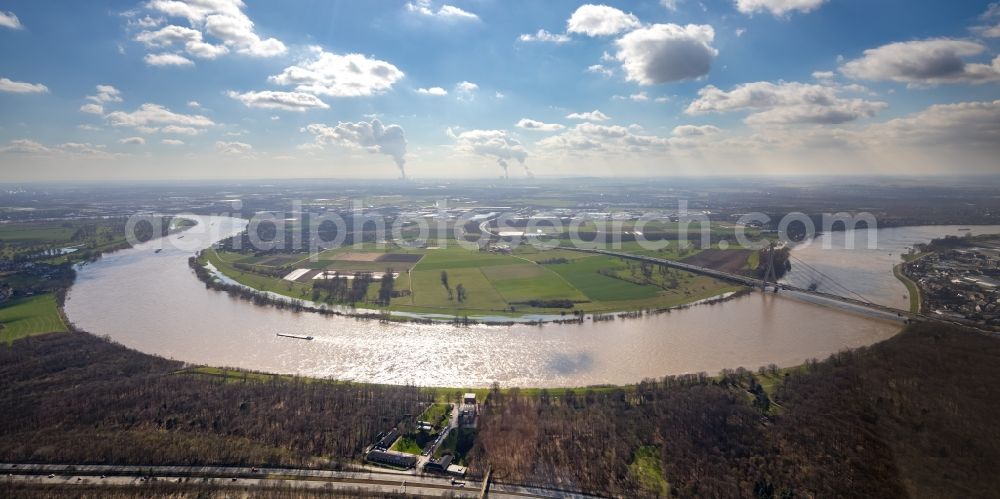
(154, 303)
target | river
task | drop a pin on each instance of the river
(153, 302)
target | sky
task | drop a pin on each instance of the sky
(231, 89)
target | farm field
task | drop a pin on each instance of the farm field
(30, 316)
(527, 280)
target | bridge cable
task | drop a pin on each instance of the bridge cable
(832, 280)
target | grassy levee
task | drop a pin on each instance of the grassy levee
(912, 290)
(30, 316)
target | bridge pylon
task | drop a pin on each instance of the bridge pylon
(770, 276)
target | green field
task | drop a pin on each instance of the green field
(529, 280)
(912, 291)
(30, 316)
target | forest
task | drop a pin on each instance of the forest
(913, 416)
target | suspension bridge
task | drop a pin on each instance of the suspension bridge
(844, 297)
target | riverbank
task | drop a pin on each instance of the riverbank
(912, 290)
(60, 406)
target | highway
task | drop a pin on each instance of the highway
(369, 480)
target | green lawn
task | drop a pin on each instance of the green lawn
(407, 444)
(437, 414)
(30, 316)
(429, 292)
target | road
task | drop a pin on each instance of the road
(369, 480)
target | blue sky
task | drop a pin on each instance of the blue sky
(223, 89)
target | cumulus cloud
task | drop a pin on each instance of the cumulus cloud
(466, 87)
(695, 130)
(530, 124)
(595, 115)
(372, 136)
(24, 146)
(446, 13)
(233, 148)
(600, 20)
(952, 126)
(778, 7)
(9, 20)
(167, 60)
(784, 103)
(20, 87)
(603, 139)
(335, 75)
(544, 36)
(150, 116)
(924, 62)
(992, 14)
(106, 93)
(133, 141)
(92, 109)
(31, 147)
(286, 101)
(496, 144)
(600, 69)
(172, 142)
(224, 20)
(436, 91)
(180, 130)
(664, 53)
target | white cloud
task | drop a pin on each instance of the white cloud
(600, 69)
(92, 109)
(778, 7)
(287, 101)
(740, 32)
(373, 137)
(670, 4)
(9, 20)
(924, 62)
(180, 130)
(90, 128)
(194, 104)
(436, 91)
(499, 95)
(544, 36)
(600, 20)
(530, 124)
(595, 115)
(20, 87)
(952, 126)
(992, 14)
(446, 13)
(639, 97)
(154, 114)
(661, 100)
(106, 93)
(784, 103)
(221, 19)
(133, 141)
(497, 144)
(664, 53)
(233, 148)
(335, 75)
(167, 60)
(823, 75)
(172, 142)
(695, 130)
(603, 139)
(24, 146)
(466, 87)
